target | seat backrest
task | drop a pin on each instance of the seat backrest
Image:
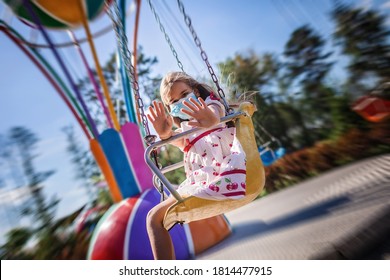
(194, 208)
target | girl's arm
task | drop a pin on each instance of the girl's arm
(179, 142)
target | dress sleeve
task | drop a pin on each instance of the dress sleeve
(217, 103)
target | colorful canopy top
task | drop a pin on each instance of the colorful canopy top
(58, 14)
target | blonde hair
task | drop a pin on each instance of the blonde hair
(173, 77)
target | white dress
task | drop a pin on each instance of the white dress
(214, 162)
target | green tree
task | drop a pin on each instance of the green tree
(9, 162)
(85, 165)
(148, 85)
(14, 248)
(364, 38)
(307, 66)
(25, 142)
(247, 72)
(306, 60)
(261, 75)
(42, 210)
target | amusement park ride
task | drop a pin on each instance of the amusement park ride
(127, 154)
(375, 106)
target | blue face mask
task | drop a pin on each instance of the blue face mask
(178, 105)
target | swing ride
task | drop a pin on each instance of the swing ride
(268, 153)
(374, 107)
(128, 167)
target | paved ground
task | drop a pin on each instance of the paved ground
(343, 214)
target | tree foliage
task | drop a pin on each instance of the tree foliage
(297, 104)
(25, 142)
(364, 38)
(146, 81)
(85, 165)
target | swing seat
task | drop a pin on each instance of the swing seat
(193, 208)
(372, 108)
(269, 156)
(280, 152)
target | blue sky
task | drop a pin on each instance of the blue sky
(225, 27)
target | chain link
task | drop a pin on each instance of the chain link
(123, 42)
(166, 36)
(203, 54)
(126, 55)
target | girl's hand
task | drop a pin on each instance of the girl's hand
(161, 121)
(204, 116)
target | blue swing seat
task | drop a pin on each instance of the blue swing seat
(269, 156)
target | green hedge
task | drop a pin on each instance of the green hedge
(356, 144)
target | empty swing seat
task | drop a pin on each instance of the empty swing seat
(372, 108)
(269, 156)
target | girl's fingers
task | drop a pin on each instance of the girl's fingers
(156, 107)
(199, 106)
(162, 109)
(190, 113)
(202, 102)
(190, 106)
(152, 112)
(150, 118)
(194, 123)
(169, 120)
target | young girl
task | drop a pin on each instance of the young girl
(214, 160)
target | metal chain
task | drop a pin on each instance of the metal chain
(166, 36)
(123, 42)
(203, 54)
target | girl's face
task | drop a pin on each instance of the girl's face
(178, 91)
